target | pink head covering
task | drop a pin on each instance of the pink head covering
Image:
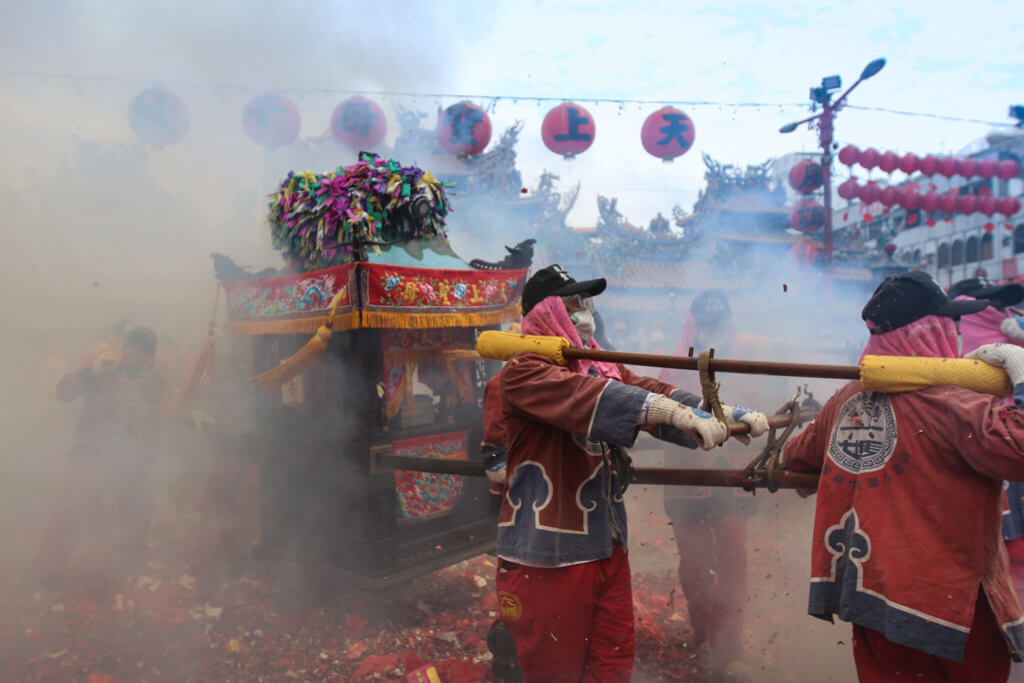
(982, 328)
(931, 335)
(550, 318)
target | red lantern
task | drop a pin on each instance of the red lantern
(890, 249)
(271, 120)
(930, 202)
(966, 168)
(1007, 169)
(869, 158)
(568, 129)
(889, 196)
(848, 155)
(888, 162)
(947, 202)
(869, 193)
(987, 168)
(868, 217)
(989, 227)
(158, 117)
(910, 200)
(947, 167)
(987, 205)
(667, 133)
(464, 129)
(807, 216)
(359, 123)
(930, 222)
(967, 204)
(848, 189)
(806, 177)
(909, 163)
(929, 165)
(1007, 226)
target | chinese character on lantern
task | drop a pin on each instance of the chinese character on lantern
(568, 129)
(464, 128)
(667, 134)
(158, 117)
(358, 122)
(271, 120)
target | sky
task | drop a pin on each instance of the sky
(943, 58)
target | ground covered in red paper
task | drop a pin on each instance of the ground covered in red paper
(169, 626)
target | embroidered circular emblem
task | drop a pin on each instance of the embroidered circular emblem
(509, 606)
(864, 436)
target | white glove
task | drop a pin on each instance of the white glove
(757, 421)
(1013, 328)
(1010, 357)
(103, 363)
(704, 427)
(497, 476)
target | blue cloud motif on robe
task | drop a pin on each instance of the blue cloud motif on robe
(850, 548)
(533, 531)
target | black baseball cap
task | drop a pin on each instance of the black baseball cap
(902, 299)
(141, 338)
(555, 281)
(980, 288)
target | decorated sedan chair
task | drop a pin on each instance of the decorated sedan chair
(365, 347)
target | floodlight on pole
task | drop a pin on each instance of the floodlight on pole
(823, 96)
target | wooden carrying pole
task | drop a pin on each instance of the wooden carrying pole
(750, 367)
(384, 459)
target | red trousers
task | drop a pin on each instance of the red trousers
(1015, 549)
(571, 623)
(986, 657)
(713, 575)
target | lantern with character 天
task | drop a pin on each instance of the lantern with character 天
(359, 123)
(667, 133)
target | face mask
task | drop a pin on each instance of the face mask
(584, 323)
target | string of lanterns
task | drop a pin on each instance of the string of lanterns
(160, 118)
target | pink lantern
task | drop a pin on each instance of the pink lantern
(890, 249)
(967, 204)
(568, 129)
(1004, 206)
(807, 216)
(966, 168)
(947, 202)
(987, 205)
(667, 133)
(910, 200)
(889, 196)
(848, 155)
(929, 165)
(909, 163)
(888, 162)
(806, 176)
(869, 193)
(463, 129)
(1007, 169)
(930, 202)
(1014, 206)
(848, 189)
(947, 167)
(869, 158)
(359, 123)
(271, 120)
(987, 168)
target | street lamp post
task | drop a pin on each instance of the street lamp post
(825, 119)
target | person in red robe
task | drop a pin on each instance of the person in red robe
(907, 543)
(119, 394)
(563, 577)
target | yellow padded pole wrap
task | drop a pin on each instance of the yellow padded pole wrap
(503, 345)
(893, 374)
